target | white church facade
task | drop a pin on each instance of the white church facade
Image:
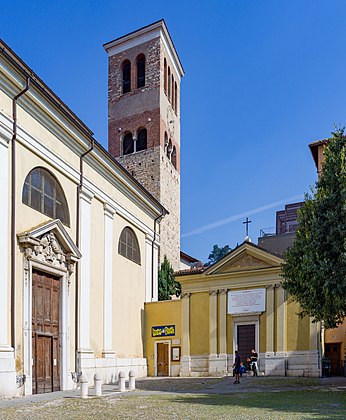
(79, 242)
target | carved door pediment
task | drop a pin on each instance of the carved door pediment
(50, 244)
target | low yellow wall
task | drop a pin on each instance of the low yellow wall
(199, 323)
(167, 312)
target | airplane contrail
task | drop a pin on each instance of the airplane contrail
(239, 216)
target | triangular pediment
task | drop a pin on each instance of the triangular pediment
(50, 240)
(244, 258)
(243, 261)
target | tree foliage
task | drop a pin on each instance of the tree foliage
(168, 286)
(217, 253)
(315, 268)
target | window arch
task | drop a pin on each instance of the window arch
(128, 144)
(165, 75)
(174, 157)
(126, 67)
(128, 245)
(169, 84)
(140, 71)
(43, 193)
(141, 143)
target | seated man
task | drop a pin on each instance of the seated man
(242, 369)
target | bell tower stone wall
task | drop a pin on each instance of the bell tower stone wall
(155, 107)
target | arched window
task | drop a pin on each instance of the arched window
(43, 193)
(128, 246)
(169, 84)
(128, 146)
(140, 71)
(126, 76)
(165, 75)
(169, 149)
(174, 157)
(141, 143)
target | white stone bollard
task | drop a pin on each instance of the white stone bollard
(122, 381)
(83, 387)
(98, 385)
(132, 380)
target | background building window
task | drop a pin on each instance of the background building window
(169, 84)
(128, 245)
(141, 143)
(43, 193)
(140, 71)
(174, 157)
(128, 145)
(169, 149)
(175, 97)
(126, 76)
(165, 76)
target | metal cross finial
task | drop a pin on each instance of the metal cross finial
(247, 221)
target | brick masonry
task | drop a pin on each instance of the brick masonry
(148, 107)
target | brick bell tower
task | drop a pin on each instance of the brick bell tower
(144, 73)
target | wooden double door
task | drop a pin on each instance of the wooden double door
(245, 340)
(45, 333)
(162, 359)
(333, 353)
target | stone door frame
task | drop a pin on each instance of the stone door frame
(246, 319)
(48, 249)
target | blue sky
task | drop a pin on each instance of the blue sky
(263, 79)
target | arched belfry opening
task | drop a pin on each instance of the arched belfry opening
(145, 73)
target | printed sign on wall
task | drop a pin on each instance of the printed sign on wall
(245, 301)
(163, 331)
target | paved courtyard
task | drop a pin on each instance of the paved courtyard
(193, 398)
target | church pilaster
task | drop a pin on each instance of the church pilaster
(213, 322)
(4, 248)
(86, 197)
(7, 363)
(108, 282)
(270, 320)
(281, 320)
(148, 267)
(223, 321)
(155, 272)
(185, 345)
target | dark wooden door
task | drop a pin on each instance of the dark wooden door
(333, 352)
(45, 333)
(162, 359)
(246, 340)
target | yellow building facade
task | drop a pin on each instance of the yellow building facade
(78, 237)
(237, 304)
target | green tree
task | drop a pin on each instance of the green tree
(168, 286)
(315, 268)
(217, 253)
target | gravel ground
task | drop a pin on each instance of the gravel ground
(199, 398)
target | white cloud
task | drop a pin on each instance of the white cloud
(239, 216)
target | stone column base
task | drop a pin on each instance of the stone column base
(8, 386)
(185, 363)
(217, 364)
(275, 363)
(108, 354)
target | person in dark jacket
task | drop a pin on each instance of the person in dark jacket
(236, 367)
